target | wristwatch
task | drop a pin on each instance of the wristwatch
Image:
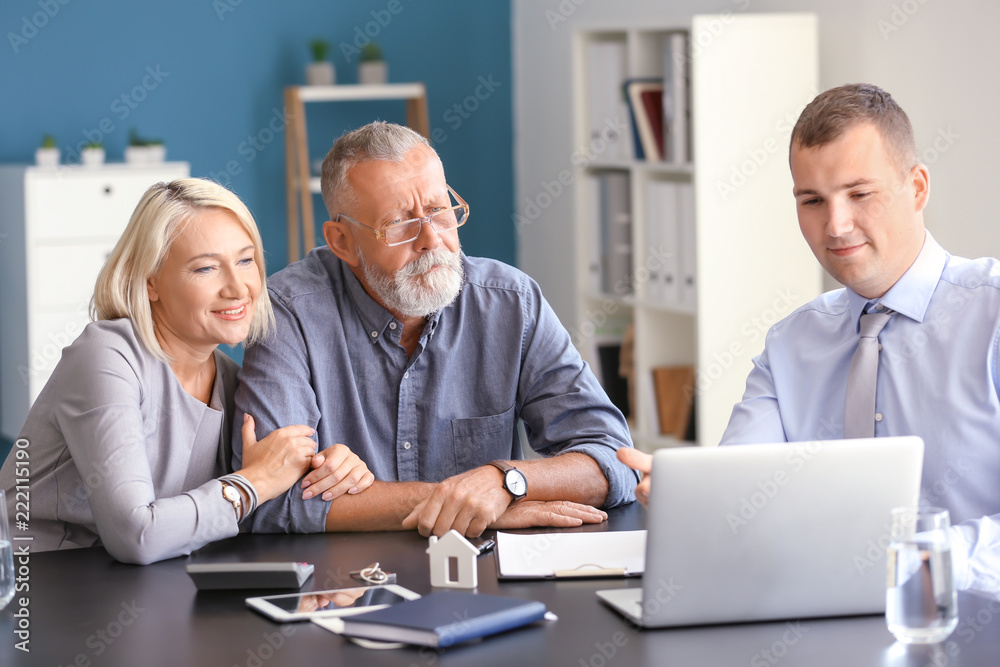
(513, 479)
(232, 494)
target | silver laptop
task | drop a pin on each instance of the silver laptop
(766, 532)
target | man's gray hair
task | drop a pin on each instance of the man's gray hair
(376, 141)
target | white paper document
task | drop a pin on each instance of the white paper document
(543, 555)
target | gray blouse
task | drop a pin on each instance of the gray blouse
(121, 455)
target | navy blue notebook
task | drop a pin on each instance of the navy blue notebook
(444, 619)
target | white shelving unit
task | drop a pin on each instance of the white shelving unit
(57, 228)
(750, 76)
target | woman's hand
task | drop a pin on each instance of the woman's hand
(275, 463)
(337, 470)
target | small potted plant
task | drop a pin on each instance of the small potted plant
(92, 154)
(48, 154)
(144, 151)
(320, 71)
(372, 69)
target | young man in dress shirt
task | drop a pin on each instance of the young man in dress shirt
(860, 192)
(422, 360)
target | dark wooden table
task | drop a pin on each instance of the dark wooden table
(86, 609)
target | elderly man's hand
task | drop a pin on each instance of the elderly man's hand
(468, 503)
(554, 513)
(476, 500)
(642, 462)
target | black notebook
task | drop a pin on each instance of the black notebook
(444, 619)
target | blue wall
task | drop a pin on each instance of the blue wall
(207, 77)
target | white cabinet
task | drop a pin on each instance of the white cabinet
(57, 227)
(715, 254)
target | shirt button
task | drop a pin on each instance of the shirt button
(392, 325)
(374, 334)
(406, 375)
(879, 306)
(406, 445)
(878, 416)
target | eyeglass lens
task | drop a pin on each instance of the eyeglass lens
(442, 221)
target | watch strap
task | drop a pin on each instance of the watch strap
(236, 501)
(506, 468)
(503, 465)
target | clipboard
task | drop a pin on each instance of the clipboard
(570, 555)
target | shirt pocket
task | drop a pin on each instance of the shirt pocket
(480, 440)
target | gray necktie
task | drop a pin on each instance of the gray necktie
(859, 413)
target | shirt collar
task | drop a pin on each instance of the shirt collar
(373, 315)
(912, 293)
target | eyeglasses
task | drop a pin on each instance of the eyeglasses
(405, 231)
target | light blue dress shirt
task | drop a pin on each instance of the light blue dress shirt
(495, 355)
(938, 378)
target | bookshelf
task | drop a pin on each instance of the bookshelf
(700, 251)
(300, 184)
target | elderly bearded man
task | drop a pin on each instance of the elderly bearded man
(422, 360)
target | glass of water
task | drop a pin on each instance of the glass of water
(921, 606)
(6, 556)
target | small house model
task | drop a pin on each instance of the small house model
(453, 561)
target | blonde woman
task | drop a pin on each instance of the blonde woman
(130, 438)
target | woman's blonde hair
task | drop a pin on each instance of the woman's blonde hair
(139, 254)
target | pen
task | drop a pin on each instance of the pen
(486, 546)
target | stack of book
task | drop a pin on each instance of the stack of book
(660, 107)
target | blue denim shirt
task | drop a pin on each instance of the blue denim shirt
(495, 355)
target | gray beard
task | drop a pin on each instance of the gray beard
(411, 292)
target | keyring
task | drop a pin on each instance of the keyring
(374, 574)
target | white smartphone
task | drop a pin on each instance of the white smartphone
(338, 602)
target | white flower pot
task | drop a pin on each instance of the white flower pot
(373, 72)
(47, 157)
(153, 154)
(157, 153)
(92, 157)
(320, 74)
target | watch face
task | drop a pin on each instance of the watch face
(231, 494)
(516, 483)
